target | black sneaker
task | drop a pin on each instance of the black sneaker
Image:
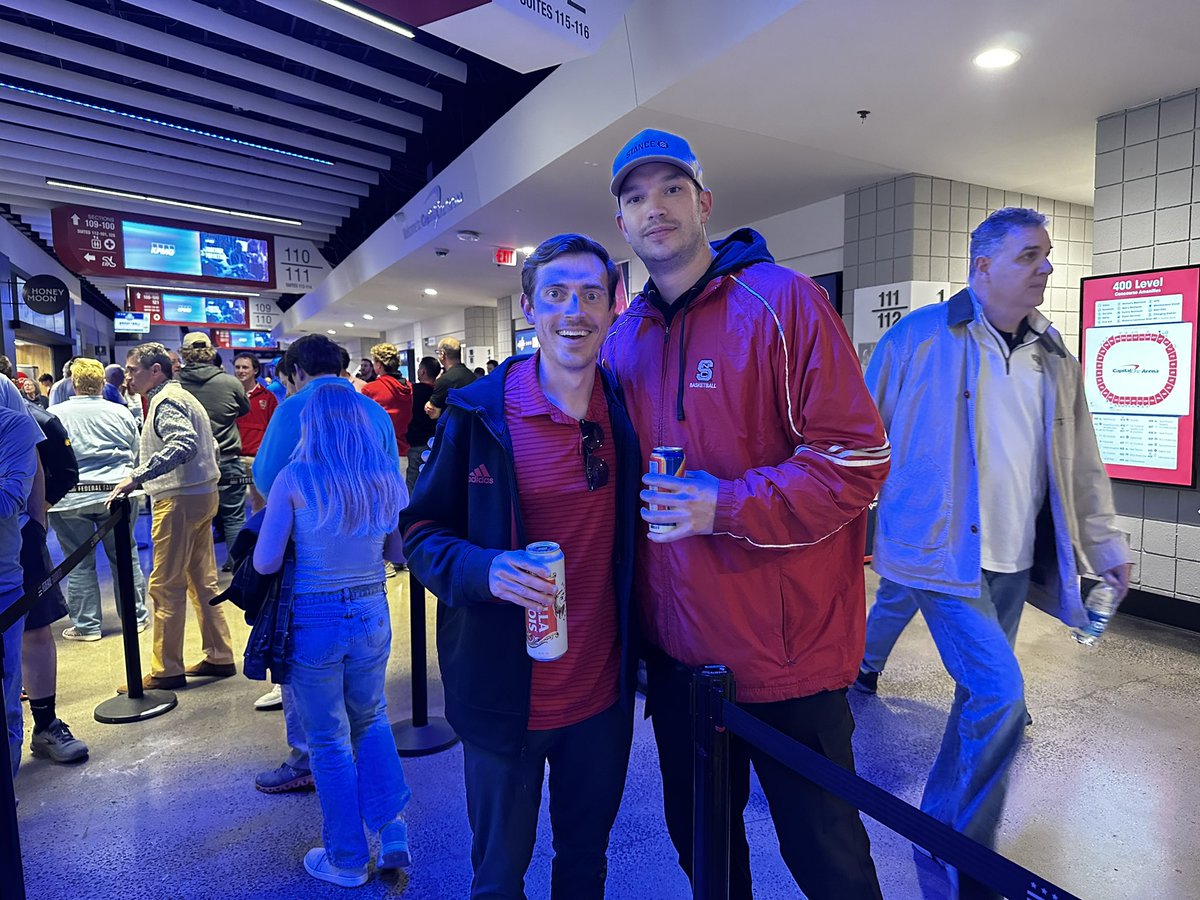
(867, 682)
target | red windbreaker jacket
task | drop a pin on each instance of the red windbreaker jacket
(757, 380)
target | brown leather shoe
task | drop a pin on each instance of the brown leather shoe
(158, 683)
(206, 669)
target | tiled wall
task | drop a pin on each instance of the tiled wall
(480, 326)
(1148, 215)
(918, 228)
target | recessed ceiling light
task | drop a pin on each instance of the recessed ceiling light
(348, 324)
(368, 316)
(393, 307)
(183, 204)
(997, 58)
(527, 251)
(430, 292)
(330, 331)
(469, 236)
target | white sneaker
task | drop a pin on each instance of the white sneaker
(74, 634)
(318, 865)
(272, 699)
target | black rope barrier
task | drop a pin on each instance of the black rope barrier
(420, 735)
(138, 704)
(716, 718)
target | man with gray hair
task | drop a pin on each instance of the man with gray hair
(985, 505)
(179, 470)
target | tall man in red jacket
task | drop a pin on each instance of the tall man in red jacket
(746, 366)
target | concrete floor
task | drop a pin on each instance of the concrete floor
(1105, 797)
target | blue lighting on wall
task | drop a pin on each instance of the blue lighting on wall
(160, 122)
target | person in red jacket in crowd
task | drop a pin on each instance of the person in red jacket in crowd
(747, 367)
(392, 391)
(253, 424)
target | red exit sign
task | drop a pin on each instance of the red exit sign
(506, 256)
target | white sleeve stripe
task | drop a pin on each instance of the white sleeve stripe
(742, 537)
(849, 463)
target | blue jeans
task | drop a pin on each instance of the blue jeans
(893, 609)
(231, 499)
(588, 762)
(12, 690)
(339, 660)
(975, 637)
(74, 528)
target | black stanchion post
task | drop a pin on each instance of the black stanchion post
(12, 885)
(139, 703)
(711, 686)
(420, 735)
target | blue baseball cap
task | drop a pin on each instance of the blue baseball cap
(649, 146)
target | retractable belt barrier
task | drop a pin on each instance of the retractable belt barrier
(137, 704)
(716, 717)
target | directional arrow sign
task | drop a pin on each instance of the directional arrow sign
(90, 257)
(74, 220)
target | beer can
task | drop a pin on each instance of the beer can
(546, 630)
(666, 461)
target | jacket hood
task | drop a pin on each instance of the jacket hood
(199, 373)
(743, 248)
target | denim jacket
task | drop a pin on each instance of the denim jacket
(923, 375)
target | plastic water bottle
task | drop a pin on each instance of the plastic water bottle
(1101, 603)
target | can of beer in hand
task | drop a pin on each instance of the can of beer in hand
(546, 630)
(666, 461)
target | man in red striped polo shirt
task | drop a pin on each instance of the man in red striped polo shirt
(544, 452)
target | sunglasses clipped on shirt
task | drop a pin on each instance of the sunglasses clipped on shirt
(594, 468)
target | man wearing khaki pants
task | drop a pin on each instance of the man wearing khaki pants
(179, 470)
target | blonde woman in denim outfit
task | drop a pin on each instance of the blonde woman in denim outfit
(339, 500)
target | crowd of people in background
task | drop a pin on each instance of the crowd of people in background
(786, 449)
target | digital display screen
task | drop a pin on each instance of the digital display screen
(131, 322)
(157, 248)
(233, 258)
(166, 308)
(1139, 362)
(244, 340)
(105, 242)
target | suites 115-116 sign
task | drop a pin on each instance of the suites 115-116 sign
(1139, 360)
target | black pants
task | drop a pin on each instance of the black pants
(822, 838)
(588, 762)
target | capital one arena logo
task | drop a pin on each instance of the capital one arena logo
(1137, 370)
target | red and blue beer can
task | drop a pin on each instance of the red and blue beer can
(666, 461)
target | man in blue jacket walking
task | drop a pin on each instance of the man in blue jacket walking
(544, 451)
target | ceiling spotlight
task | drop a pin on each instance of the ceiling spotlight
(393, 307)
(997, 58)
(526, 251)
(368, 316)
(330, 331)
(348, 324)
(468, 236)
(430, 292)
